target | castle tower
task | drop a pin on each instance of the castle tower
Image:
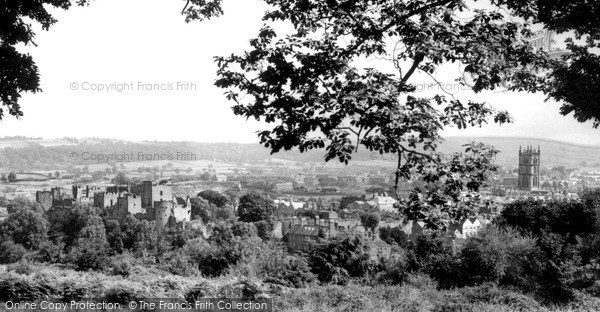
(147, 194)
(529, 169)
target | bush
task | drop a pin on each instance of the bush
(214, 198)
(120, 265)
(341, 257)
(391, 271)
(180, 264)
(446, 270)
(263, 229)
(87, 258)
(122, 295)
(393, 235)
(11, 252)
(425, 251)
(485, 257)
(114, 236)
(199, 291)
(18, 288)
(50, 252)
(21, 267)
(490, 293)
(212, 259)
(25, 226)
(276, 266)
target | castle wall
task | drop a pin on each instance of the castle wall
(126, 204)
(79, 191)
(162, 193)
(105, 200)
(163, 211)
(182, 214)
(44, 198)
(63, 202)
(55, 193)
(117, 189)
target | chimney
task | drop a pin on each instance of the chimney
(303, 221)
(294, 220)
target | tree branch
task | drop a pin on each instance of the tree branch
(423, 9)
(420, 10)
(185, 7)
(398, 175)
(417, 60)
(404, 149)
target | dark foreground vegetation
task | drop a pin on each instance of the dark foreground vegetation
(537, 256)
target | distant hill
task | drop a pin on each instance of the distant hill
(40, 154)
(553, 153)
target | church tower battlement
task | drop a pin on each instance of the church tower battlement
(529, 168)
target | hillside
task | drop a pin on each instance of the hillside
(34, 282)
(553, 153)
(39, 154)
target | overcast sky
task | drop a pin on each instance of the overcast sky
(133, 43)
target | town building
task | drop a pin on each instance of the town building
(529, 169)
(302, 232)
(379, 249)
(465, 228)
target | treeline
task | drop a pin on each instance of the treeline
(37, 157)
(549, 251)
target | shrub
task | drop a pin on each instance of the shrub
(446, 270)
(17, 288)
(199, 291)
(485, 257)
(180, 264)
(276, 266)
(214, 198)
(341, 257)
(426, 250)
(25, 226)
(391, 271)
(122, 295)
(114, 236)
(263, 229)
(120, 265)
(50, 252)
(21, 267)
(213, 259)
(85, 257)
(11, 252)
(393, 235)
(490, 293)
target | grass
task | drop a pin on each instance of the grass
(25, 281)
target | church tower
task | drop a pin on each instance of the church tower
(529, 168)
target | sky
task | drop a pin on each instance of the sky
(134, 70)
